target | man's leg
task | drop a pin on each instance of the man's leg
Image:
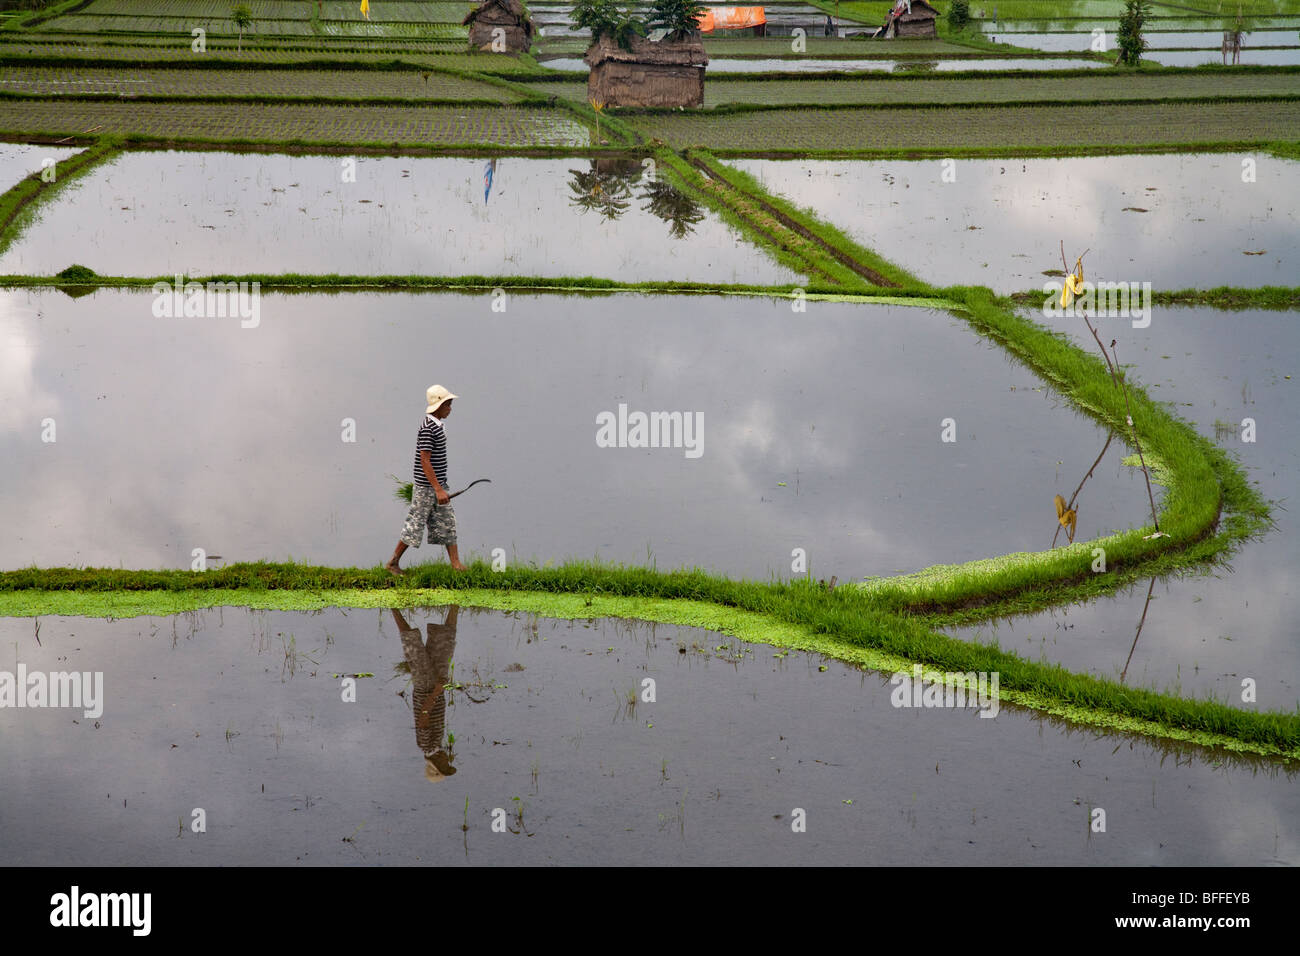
(442, 530)
(453, 555)
(397, 556)
(417, 517)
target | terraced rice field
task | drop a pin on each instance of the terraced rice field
(827, 434)
(939, 91)
(252, 44)
(221, 26)
(406, 215)
(1249, 57)
(1180, 221)
(813, 46)
(1060, 9)
(180, 55)
(107, 12)
(178, 26)
(1191, 21)
(19, 160)
(1081, 41)
(287, 84)
(271, 19)
(859, 129)
(444, 125)
(726, 66)
(222, 41)
(829, 46)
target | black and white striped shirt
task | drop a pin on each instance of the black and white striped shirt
(433, 440)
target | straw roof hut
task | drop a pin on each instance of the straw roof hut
(662, 73)
(509, 16)
(919, 22)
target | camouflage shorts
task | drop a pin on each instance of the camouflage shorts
(425, 513)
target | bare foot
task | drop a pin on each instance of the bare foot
(394, 569)
(458, 567)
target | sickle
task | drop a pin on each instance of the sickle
(468, 487)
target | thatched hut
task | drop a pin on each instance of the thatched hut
(652, 73)
(509, 16)
(919, 21)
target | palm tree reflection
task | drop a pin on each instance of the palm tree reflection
(606, 189)
(606, 193)
(674, 207)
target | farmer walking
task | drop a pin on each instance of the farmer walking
(430, 502)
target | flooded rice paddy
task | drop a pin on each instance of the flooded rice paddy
(1202, 635)
(1081, 42)
(817, 431)
(821, 431)
(1249, 57)
(19, 160)
(543, 725)
(197, 213)
(1176, 221)
(821, 65)
(1260, 47)
(1166, 24)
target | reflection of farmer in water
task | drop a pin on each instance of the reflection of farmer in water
(430, 671)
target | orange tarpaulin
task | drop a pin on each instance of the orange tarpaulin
(731, 18)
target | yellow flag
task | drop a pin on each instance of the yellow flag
(365, 9)
(1067, 518)
(1073, 283)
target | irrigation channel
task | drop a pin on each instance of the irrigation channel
(875, 445)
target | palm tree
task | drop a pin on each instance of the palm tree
(1129, 35)
(680, 18)
(606, 18)
(241, 17)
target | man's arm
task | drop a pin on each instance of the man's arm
(438, 490)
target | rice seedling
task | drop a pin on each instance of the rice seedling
(625, 704)
(678, 816)
(293, 657)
